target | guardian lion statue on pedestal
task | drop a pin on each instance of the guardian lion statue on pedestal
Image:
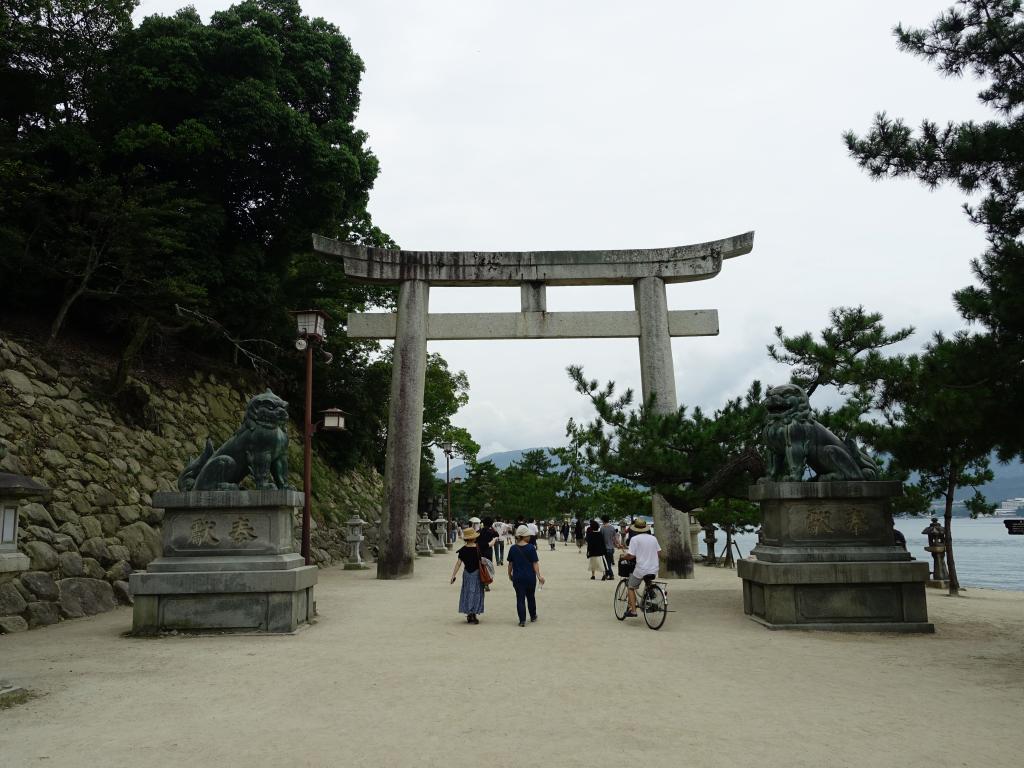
(795, 440)
(259, 448)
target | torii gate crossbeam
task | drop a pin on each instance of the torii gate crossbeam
(648, 270)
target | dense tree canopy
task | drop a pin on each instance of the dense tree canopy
(159, 185)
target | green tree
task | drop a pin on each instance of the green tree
(529, 488)
(232, 141)
(931, 428)
(983, 38)
(848, 357)
(686, 456)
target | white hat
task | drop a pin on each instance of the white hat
(523, 532)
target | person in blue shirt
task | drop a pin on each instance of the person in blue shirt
(524, 572)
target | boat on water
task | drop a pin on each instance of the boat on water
(1010, 508)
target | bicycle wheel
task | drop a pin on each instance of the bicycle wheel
(655, 606)
(621, 602)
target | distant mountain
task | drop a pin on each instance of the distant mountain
(1008, 483)
(501, 460)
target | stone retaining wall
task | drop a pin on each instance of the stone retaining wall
(100, 524)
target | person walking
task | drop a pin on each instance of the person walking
(552, 536)
(611, 541)
(580, 534)
(487, 536)
(471, 598)
(595, 549)
(534, 530)
(524, 573)
(499, 541)
(565, 533)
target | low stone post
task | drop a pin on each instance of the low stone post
(423, 546)
(355, 540)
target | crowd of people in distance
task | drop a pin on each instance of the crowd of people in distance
(490, 543)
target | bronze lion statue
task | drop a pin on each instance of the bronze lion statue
(259, 448)
(795, 440)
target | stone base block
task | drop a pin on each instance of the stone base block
(938, 583)
(356, 567)
(228, 600)
(886, 596)
(425, 553)
(13, 562)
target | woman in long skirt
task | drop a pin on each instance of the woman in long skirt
(471, 598)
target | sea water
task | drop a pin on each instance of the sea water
(986, 555)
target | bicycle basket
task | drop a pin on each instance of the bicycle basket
(626, 567)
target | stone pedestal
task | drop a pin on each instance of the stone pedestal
(228, 564)
(828, 560)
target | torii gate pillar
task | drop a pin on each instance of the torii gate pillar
(647, 270)
(657, 378)
(405, 430)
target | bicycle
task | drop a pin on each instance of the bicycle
(652, 602)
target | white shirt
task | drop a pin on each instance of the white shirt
(645, 548)
(533, 528)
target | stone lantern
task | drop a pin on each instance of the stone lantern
(423, 547)
(14, 488)
(936, 534)
(355, 538)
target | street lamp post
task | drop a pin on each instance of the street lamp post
(448, 453)
(312, 329)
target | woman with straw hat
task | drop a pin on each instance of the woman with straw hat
(471, 598)
(524, 572)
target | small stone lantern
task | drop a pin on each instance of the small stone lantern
(355, 539)
(13, 488)
(423, 548)
(937, 547)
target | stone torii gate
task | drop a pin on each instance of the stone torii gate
(647, 270)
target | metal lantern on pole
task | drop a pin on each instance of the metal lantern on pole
(333, 419)
(449, 452)
(311, 329)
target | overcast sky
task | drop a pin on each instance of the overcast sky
(535, 125)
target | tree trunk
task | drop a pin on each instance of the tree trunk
(130, 353)
(954, 583)
(62, 313)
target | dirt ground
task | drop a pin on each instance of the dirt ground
(391, 675)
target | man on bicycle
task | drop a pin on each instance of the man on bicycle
(643, 548)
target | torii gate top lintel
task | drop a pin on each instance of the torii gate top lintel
(677, 264)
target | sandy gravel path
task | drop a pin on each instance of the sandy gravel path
(392, 676)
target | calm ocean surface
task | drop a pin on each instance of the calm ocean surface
(986, 555)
